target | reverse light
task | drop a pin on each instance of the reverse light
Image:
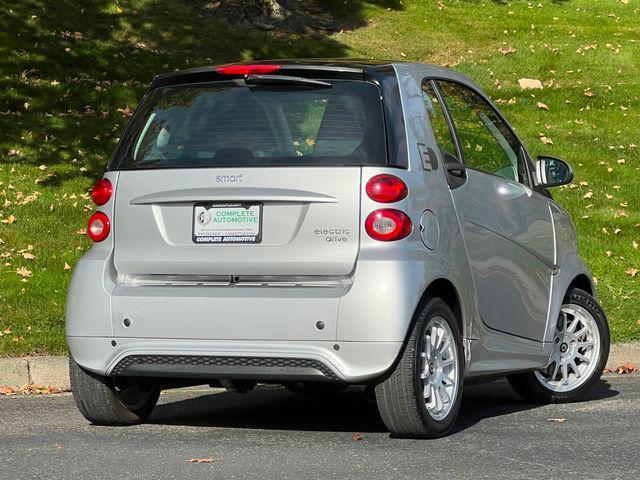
(385, 188)
(255, 69)
(102, 191)
(388, 224)
(98, 227)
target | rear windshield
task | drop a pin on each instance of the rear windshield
(229, 124)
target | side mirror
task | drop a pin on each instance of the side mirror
(552, 172)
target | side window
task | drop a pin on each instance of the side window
(487, 144)
(437, 119)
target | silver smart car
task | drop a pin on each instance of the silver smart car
(320, 224)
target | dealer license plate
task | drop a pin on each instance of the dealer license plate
(227, 223)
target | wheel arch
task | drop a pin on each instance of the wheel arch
(583, 282)
(446, 291)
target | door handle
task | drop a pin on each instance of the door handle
(456, 172)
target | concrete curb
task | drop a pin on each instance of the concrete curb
(54, 371)
(45, 371)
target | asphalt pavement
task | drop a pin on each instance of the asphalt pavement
(271, 433)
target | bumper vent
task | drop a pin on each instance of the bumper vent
(203, 366)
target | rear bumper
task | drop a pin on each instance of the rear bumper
(353, 362)
(207, 331)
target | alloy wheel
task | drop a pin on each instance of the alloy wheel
(439, 368)
(576, 350)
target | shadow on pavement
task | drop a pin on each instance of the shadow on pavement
(275, 408)
(497, 398)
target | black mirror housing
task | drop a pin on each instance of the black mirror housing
(552, 172)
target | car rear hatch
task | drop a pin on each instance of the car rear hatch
(245, 177)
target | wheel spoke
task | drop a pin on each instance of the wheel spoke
(444, 394)
(583, 358)
(438, 340)
(432, 398)
(565, 374)
(426, 391)
(438, 397)
(574, 367)
(446, 363)
(581, 332)
(555, 371)
(445, 345)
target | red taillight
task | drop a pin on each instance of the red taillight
(387, 225)
(98, 227)
(102, 191)
(386, 188)
(255, 69)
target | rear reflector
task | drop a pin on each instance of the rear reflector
(102, 191)
(386, 188)
(388, 224)
(98, 227)
(255, 69)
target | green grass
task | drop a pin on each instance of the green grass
(60, 92)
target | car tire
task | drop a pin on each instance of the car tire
(432, 359)
(112, 401)
(541, 387)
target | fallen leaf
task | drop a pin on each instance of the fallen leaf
(357, 437)
(36, 389)
(626, 369)
(23, 272)
(542, 106)
(7, 391)
(126, 111)
(9, 220)
(546, 140)
(529, 84)
(632, 272)
(589, 194)
(28, 256)
(200, 460)
(67, 266)
(506, 50)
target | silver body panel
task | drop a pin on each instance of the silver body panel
(509, 252)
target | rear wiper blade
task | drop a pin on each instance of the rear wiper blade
(285, 80)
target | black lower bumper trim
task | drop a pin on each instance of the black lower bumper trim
(214, 367)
